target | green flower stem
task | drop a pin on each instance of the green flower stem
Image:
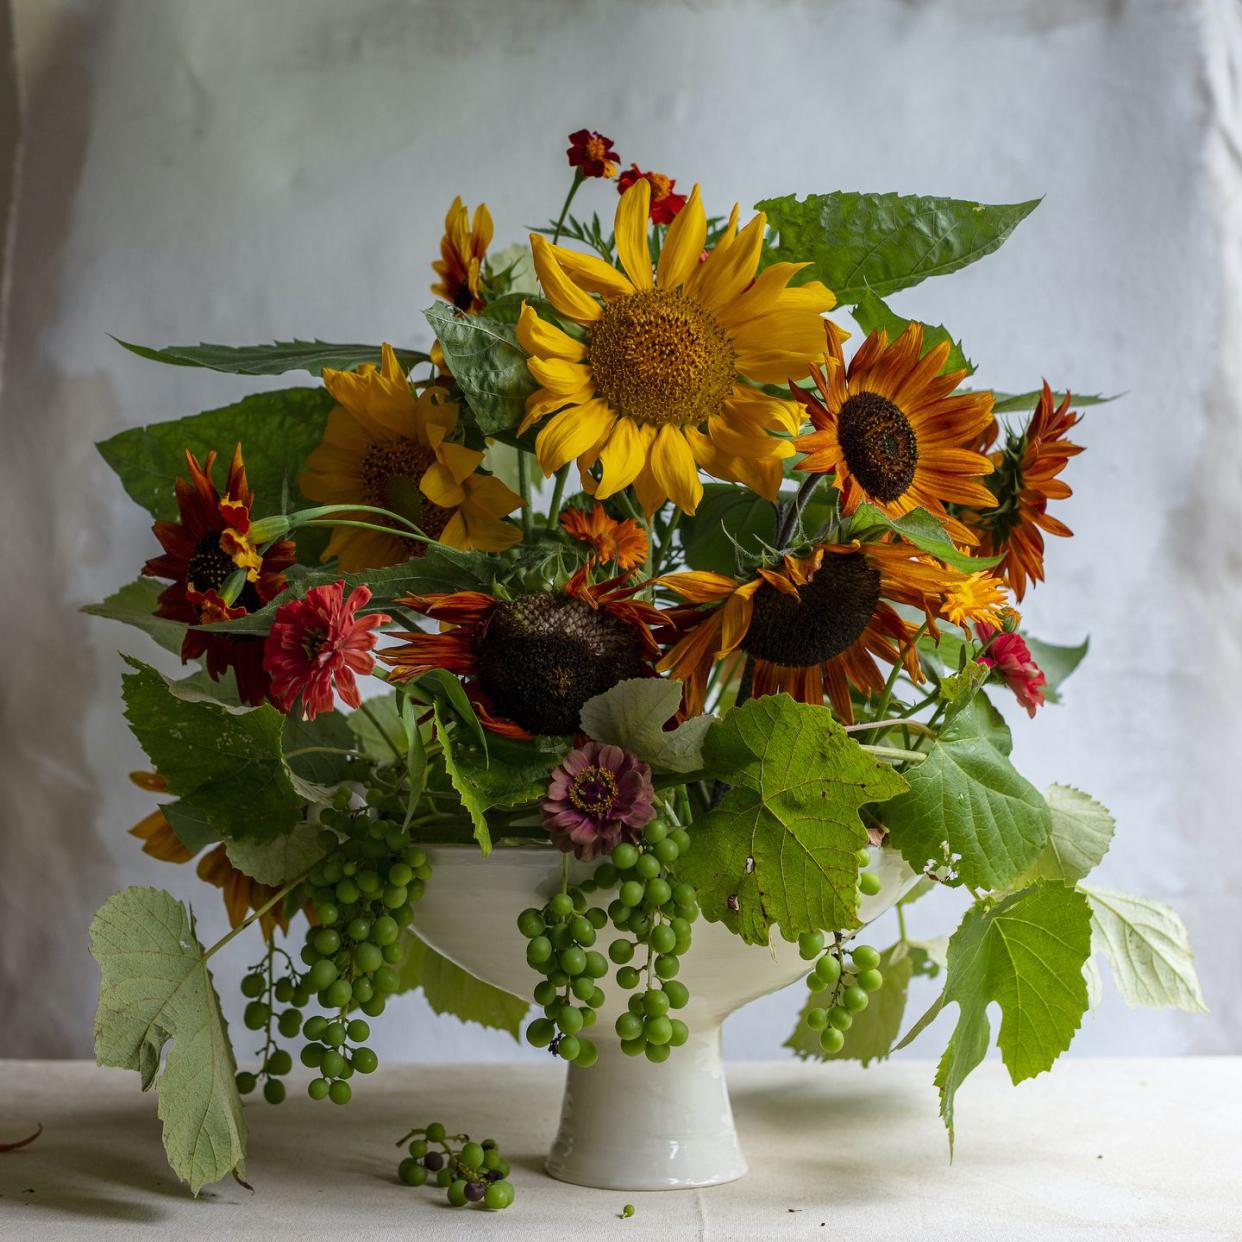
(260, 912)
(901, 923)
(304, 517)
(882, 705)
(793, 515)
(896, 753)
(569, 198)
(325, 750)
(558, 492)
(895, 722)
(524, 492)
(383, 530)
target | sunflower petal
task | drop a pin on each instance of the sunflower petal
(622, 457)
(571, 431)
(683, 246)
(561, 291)
(675, 469)
(631, 233)
(546, 340)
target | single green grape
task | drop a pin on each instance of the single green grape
(252, 986)
(840, 1017)
(569, 1047)
(274, 1091)
(365, 1060)
(498, 1195)
(657, 1053)
(246, 1081)
(831, 1040)
(411, 1172)
(870, 980)
(817, 1019)
(624, 856)
(677, 992)
(828, 968)
(340, 1092)
(471, 1155)
(865, 957)
(810, 944)
(869, 883)
(318, 1088)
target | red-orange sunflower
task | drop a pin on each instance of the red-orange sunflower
(533, 661)
(202, 552)
(893, 432)
(814, 626)
(1024, 479)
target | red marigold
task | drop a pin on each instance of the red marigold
(1008, 655)
(592, 154)
(622, 541)
(317, 643)
(665, 203)
(202, 551)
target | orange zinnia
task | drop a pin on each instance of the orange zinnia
(624, 541)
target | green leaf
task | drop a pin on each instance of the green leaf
(780, 847)
(445, 687)
(633, 714)
(278, 862)
(450, 989)
(727, 517)
(274, 359)
(224, 765)
(156, 987)
(190, 824)
(510, 271)
(924, 531)
(872, 313)
(329, 732)
(1056, 663)
(958, 690)
(1025, 954)
(488, 364)
(1025, 402)
(874, 1029)
(508, 773)
(885, 242)
(967, 794)
(1079, 835)
(377, 727)
(1148, 947)
(135, 604)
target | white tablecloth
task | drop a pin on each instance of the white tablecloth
(1120, 1149)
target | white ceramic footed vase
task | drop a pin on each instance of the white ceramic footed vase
(626, 1124)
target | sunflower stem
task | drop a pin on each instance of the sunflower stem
(569, 198)
(524, 490)
(793, 514)
(882, 706)
(558, 492)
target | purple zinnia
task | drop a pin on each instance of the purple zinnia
(598, 797)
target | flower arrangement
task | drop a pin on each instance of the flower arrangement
(651, 561)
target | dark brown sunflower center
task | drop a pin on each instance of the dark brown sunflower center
(659, 357)
(594, 790)
(542, 656)
(391, 472)
(879, 444)
(210, 567)
(830, 614)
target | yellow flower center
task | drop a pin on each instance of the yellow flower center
(390, 475)
(659, 357)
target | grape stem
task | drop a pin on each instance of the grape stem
(260, 912)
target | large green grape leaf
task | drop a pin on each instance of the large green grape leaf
(780, 847)
(873, 313)
(223, 764)
(281, 861)
(488, 364)
(1025, 954)
(450, 989)
(1148, 947)
(1079, 835)
(273, 359)
(156, 987)
(969, 797)
(633, 715)
(885, 242)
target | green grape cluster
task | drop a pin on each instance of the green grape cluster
(842, 987)
(263, 992)
(868, 882)
(656, 911)
(468, 1172)
(559, 946)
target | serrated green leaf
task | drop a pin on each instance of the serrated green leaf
(1079, 834)
(874, 1029)
(273, 359)
(958, 690)
(488, 364)
(1025, 402)
(885, 242)
(872, 313)
(924, 531)
(278, 862)
(156, 987)
(1148, 948)
(1056, 663)
(1025, 954)
(727, 517)
(510, 271)
(135, 604)
(225, 765)
(969, 796)
(440, 684)
(633, 714)
(780, 847)
(450, 989)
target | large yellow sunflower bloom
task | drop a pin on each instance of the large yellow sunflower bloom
(386, 446)
(657, 389)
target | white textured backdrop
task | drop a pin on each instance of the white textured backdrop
(232, 171)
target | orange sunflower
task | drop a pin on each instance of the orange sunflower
(893, 432)
(1025, 478)
(624, 541)
(533, 661)
(241, 893)
(662, 381)
(387, 446)
(462, 248)
(813, 626)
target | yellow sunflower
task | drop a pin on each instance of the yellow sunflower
(460, 266)
(389, 447)
(893, 431)
(660, 385)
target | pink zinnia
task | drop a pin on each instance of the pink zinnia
(1008, 655)
(317, 643)
(598, 797)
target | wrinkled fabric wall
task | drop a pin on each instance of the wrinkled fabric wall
(236, 172)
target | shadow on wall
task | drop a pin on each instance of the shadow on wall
(50, 418)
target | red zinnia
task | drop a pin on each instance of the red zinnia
(317, 643)
(592, 154)
(1008, 655)
(665, 204)
(202, 552)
